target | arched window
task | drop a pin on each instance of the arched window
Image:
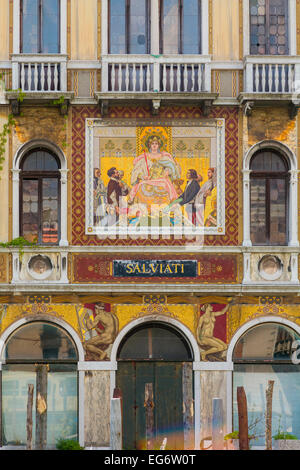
(269, 198)
(40, 197)
(154, 342)
(264, 353)
(45, 356)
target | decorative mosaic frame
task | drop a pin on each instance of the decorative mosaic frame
(91, 124)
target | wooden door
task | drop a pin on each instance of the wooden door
(166, 378)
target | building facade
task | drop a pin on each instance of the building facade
(150, 158)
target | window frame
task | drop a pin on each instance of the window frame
(39, 175)
(180, 32)
(267, 176)
(40, 31)
(290, 157)
(267, 29)
(127, 27)
(292, 27)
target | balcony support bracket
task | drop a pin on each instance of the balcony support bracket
(293, 109)
(15, 107)
(155, 107)
(206, 106)
(104, 107)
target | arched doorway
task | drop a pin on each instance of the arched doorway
(44, 355)
(262, 353)
(159, 355)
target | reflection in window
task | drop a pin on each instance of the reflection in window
(40, 197)
(264, 353)
(129, 27)
(180, 25)
(154, 342)
(40, 29)
(32, 347)
(269, 199)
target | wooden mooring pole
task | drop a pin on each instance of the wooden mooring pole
(243, 418)
(269, 398)
(29, 416)
(41, 406)
(149, 405)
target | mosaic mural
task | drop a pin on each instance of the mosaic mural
(155, 179)
(79, 117)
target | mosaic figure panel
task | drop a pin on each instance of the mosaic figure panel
(154, 179)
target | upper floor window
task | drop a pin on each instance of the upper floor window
(40, 197)
(40, 26)
(269, 27)
(129, 26)
(269, 199)
(180, 26)
(178, 31)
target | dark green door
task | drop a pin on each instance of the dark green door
(166, 378)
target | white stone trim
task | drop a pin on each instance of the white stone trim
(16, 26)
(204, 27)
(63, 185)
(207, 366)
(160, 319)
(63, 26)
(293, 189)
(95, 365)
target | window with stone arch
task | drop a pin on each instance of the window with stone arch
(265, 352)
(40, 197)
(270, 195)
(269, 198)
(42, 355)
(45, 160)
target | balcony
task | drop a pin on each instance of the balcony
(271, 79)
(40, 77)
(146, 77)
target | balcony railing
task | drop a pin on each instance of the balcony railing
(39, 73)
(272, 74)
(146, 74)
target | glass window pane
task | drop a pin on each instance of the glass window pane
(155, 343)
(273, 38)
(30, 215)
(258, 220)
(285, 403)
(38, 341)
(190, 27)
(170, 27)
(268, 161)
(138, 27)
(50, 210)
(278, 215)
(40, 160)
(267, 342)
(30, 26)
(62, 402)
(117, 30)
(50, 26)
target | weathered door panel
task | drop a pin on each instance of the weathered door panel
(168, 402)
